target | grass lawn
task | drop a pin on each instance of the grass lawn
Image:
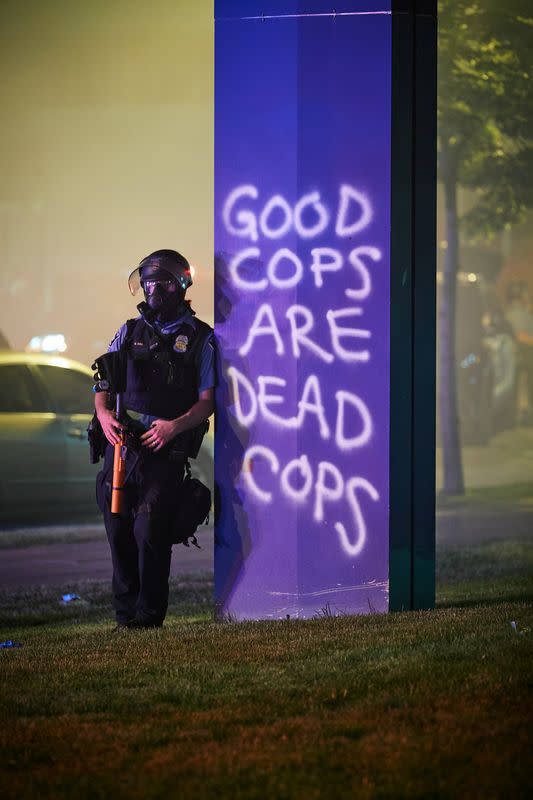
(428, 705)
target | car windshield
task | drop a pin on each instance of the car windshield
(17, 391)
(70, 390)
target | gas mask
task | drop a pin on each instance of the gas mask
(163, 295)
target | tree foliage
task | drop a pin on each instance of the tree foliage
(485, 124)
(486, 107)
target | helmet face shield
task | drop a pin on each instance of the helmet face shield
(162, 261)
(134, 281)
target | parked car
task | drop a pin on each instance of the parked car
(46, 403)
(485, 350)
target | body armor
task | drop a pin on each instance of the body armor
(161, 371)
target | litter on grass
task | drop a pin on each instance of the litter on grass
(69, 598)
(9, 644)
(514, 626)
(74, 599)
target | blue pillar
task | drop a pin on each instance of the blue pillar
(320, 502)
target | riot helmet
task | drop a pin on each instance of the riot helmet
(164, 276)
(168, 261)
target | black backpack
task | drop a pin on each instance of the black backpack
(194, 508)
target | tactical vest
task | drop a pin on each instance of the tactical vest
(162, 371)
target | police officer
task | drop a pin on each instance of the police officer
(170, 378)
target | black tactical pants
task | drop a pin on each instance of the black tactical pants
(140, 537)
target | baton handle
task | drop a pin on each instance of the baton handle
(119, 465)
(119, 475)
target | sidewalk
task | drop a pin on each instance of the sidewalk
(61, 564)
(474, 524)
(507, 459)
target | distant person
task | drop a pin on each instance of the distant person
(520, 315)
(170, 379)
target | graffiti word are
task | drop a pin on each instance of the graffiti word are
(301, 323)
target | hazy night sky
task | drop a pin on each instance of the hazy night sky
(106, 154)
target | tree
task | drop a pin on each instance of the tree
(485, 123)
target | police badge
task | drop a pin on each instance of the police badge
(180, 345)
